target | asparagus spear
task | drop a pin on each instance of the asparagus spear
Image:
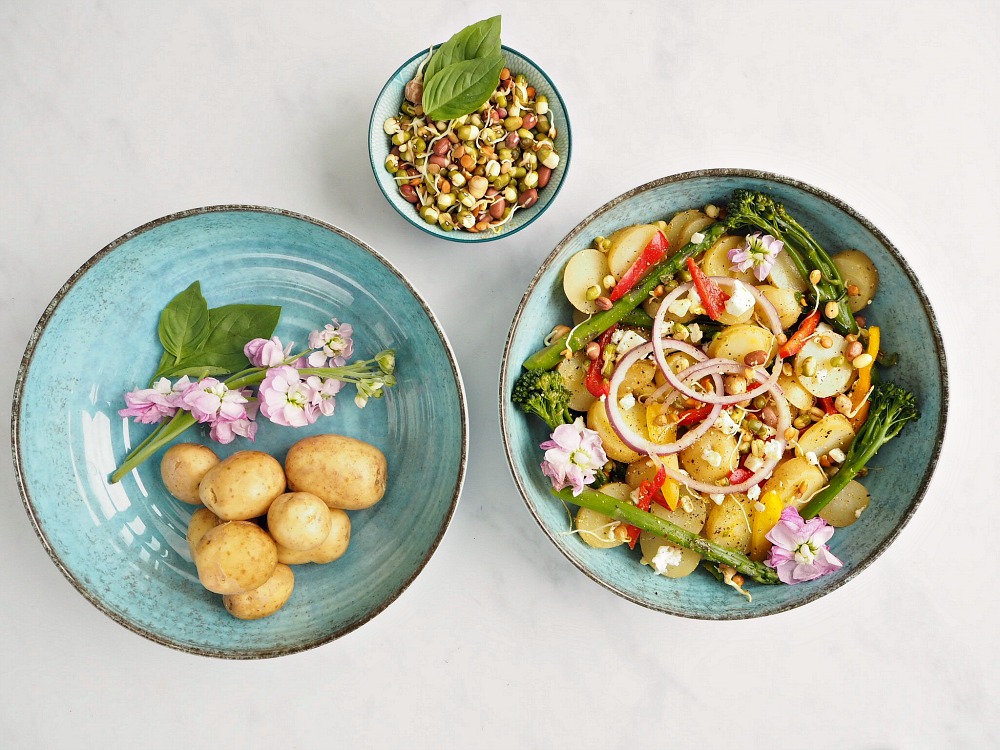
(579, 337)
(626, 512)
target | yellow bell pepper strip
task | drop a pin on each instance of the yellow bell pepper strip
(763, 522)
(864, 382)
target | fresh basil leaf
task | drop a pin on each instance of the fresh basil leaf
(197, 372)
(232, 326)
(184, 323)
(462, 87)
(481, 39)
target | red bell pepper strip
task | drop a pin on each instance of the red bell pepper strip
(826, 402)
(798, 339)
(713, 299)
(652, 254)
(689, 417)
(644, 503)
(595, 380)
(739, 475)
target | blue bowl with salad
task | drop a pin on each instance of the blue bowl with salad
(724, 394)
(488, 155)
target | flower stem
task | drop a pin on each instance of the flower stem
(163, 434)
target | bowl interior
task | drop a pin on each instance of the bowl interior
(124, 545)
(387, 105)
(899, 473)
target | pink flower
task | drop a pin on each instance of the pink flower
(757, 252)
(266, 352)
(572, 456)
(152, 405)
(210, 400)
(323, 393)
(800, 552)
(226, 430)
(333, 343)
(286, 399)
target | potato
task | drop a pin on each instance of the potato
(797, 396)
(264, 600)
(243, 486)
(235, 557)
(857, 269)
(596, 529)
(729, 522)
(333, 547)
(638, 379)
(786, 303)
(716, 261)
(585, 269)
(785, 275)
(574, 373)
(676, 225)
(697, 459)
(627, 246)
(346, 473)
(201, 521)
(832, 431)
(847, 506)
(696, 224)
(650, 543)
(597, 420)
(299, 521)
(828, 379)
(735, 342)
(183, 467)
(795, 480)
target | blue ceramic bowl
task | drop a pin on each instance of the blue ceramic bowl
(387, 105)
(123, 546)
(904, 466)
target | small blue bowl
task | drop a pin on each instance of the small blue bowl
(387, 105)
(901, 471)
(123, 546)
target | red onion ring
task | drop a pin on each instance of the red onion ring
(770, 317)
(630, 437)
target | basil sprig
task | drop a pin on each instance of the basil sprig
(464, 71)
(202, 342)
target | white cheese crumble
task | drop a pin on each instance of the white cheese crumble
(696, 307)
(753, 463)
(697, 238)
(759, 507)
(837, 455)
(628, 341)
(718, 499)
(667, 555)
(695, 333)
(726, 424)
(772, 450)
(679, 307)
(714, 458)
(627, 401)
(754, 492)
(740, 301)
(811, 458)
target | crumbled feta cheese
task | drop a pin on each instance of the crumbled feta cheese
(667, 555)
(628, 341)
(754, 492)
(726, 424)
(759, 507)
(714, 458)
(627, 401)
(837, 455)
(754, 463)
(811, 458)
(617, 335)
(718, 499)
(772, 450)
(696, 307)
(679, 307)
(695, 333)
(697, 238)
(740, 300)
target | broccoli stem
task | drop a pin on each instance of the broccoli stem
(626, 512)
(579, 337)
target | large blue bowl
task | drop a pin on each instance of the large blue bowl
(387, 105)
(904, 466)
(123, 546)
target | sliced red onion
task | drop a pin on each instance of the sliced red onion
(630, 437)
(770, 315)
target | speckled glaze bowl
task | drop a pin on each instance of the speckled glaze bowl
(123, 546)
(904, 466)
(387, 105)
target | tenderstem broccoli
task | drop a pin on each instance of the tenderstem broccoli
(749, 208)
(544, 393)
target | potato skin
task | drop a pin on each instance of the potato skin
(183, 467)
(201, 522)
(235, 557)
(299, 521)
(333, 547)
(346, 473)
(243, 486)
(264, 600)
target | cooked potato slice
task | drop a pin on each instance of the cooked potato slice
(711, 457)
(832, 431)
(627, 247)
(847, 506)
(676, 225)
(786, 303)
(638, 379)
(597, 529)
(597, 419)
(574, 373)
(729, 522)
(857, 269)
(735, 342)
(828, 379)
(796, 480)
(696, 224)
(785, 275)
(716, 261)
(584, 270)
(797, 396)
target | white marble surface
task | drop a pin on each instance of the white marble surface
(115, 113)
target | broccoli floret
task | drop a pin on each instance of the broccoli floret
(543, 392)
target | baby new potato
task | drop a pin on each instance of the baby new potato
(299, 521)
(243, 486)
(329, 550)
(201, 521)
(264, 600)
(235, 557)
(346, 473)
(183, 467)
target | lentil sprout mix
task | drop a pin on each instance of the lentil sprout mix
(474, 172)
